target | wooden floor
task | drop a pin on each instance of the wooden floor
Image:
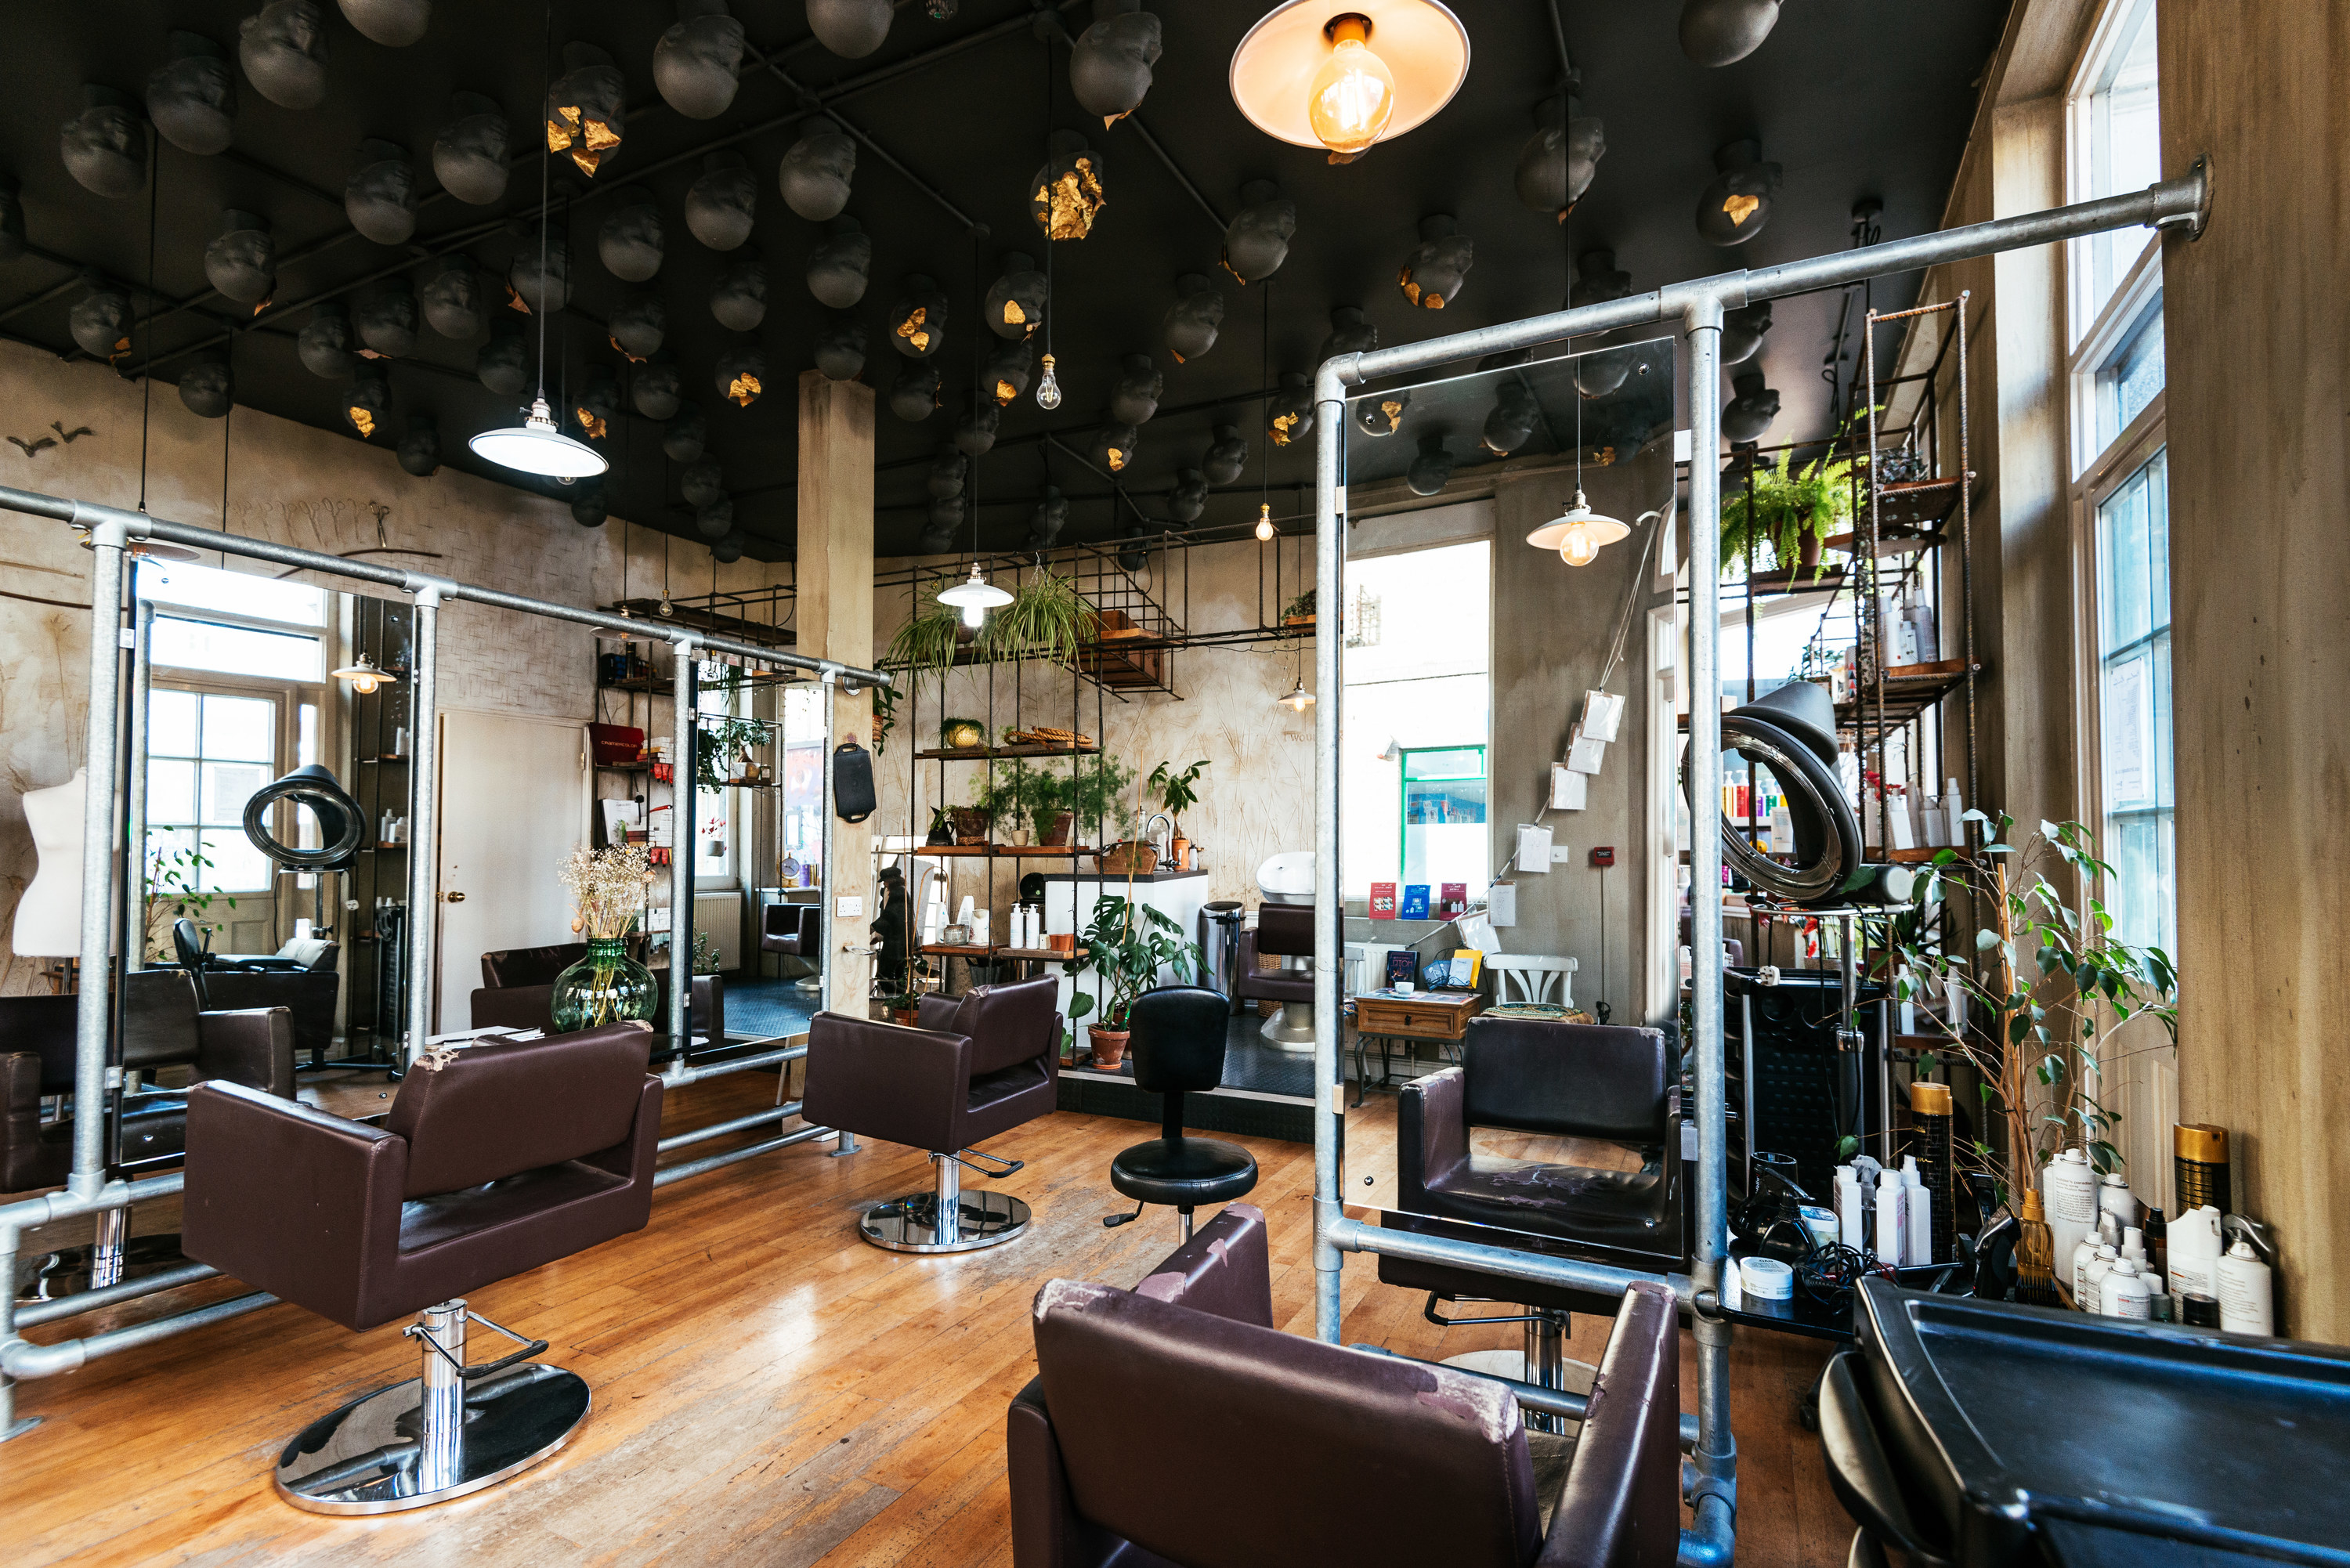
(768, 1389)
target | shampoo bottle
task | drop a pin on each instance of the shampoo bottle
(1891, 1249)
(1916, 1215)
(2127, 1295)
(2194, 1252)
(2247, 1294)
(2115, 1198)
(2068, 1188)
(2093, 1281)
(1852, 1224)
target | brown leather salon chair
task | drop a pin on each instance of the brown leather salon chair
(975, 1066)
(1283, 931)
(494, 1159)
(1178, 1048)
(795, 930)
(1605, 1082)
(1266, 1447)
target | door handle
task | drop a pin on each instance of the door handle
(454, 898)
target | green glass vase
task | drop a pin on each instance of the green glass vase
(607, 986)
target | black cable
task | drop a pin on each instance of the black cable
(147, 366)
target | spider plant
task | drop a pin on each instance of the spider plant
(1041, 622)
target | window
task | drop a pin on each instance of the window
(1415, 721)
(244, 627)
(804, 754)
(2133, 546)
(2115, 147)
(207, 753)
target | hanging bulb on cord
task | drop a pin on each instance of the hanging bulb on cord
(1353, 95)
(974, 615)
(1263, 520)
(1578, 534)
(1048, 390)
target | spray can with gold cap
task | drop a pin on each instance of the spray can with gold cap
(1929, 1141)
(2199, 1159)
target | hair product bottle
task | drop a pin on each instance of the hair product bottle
(1929, 1137)
(2199, 1159)
(1890, 1215)
(2035, 1255)
(1917, 1216)
(2247, 1291)
(2194, 1252)
(2127, 1295)
(2115, 1198)
(2069, 1188)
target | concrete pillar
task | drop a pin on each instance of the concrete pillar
(2258, 336)
(835, 620)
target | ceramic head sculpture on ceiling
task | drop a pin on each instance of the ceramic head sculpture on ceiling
(702, 483)
(1556, 165)
(715, 519)
(1511, 422)
(974, 430)
(949, 471)
(388, 318)
(840, 346)
(1737, 205)
(192, 96)
(656, 390)
(420, 449)
(1351, 332)
(1109, 65)
(631, 241)
(104, 146)
(1227, 456)
(685, 435)
(324, 344)
(454, 305)
(1381, 413)
(379, 197)
(1015, 300)
(12, 218)
(1291, 416)
(723, 201)
(728, 548)
(940, 524)
(1596, 281)
(1256, 241)
(100, 319)
(1190, 496)
(918, 321)
(1007, 371)
(503, 366)
(741, 374)
(1050, 516)
(695, 64)
(1742, 330)
(206, 387)
(469, 154)
(589, 508)
(1135, 398)
(1746, 416)
(540, 272)
(639, 325)
(1723, 32)
(850, 28)
(366, 401)
(241, 263)
(817, 168)
(394, 24)
(914, 395)
(1432, 275)
(1114, 445)
(1066, 192)
(841, 265)
(1195, 317)
(739, 298)
(586, 112)
(283, 48)
(1432, 471)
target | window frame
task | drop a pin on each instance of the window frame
(287, 698)
(1404, 781)
(2117, 27)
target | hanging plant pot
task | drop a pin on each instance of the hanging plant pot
(1742, 330)
(1291, 413)
(205, 387)
(631, 241)
(1351, 332)
(816, 170)
(1432, 471)
(1007, 372)
(469, 155)
(1114, 447)
(100, 319)
(1381, 413)
(242, 261)
(686, 433)
(974, 431)
(1723, 32)
(1109, 65)
(452, 300)
(696, 61)
(1737, 205)
(394, 24)
(1193, 321)
(540, 273)
(915, 396)
(1135, 397)
(596, 405)
(1432, 275)
(1557, 162)
(586, 109)
(283, 48)
(741, 374)
(918, 321)
(504, 364)
(948, 471)
(1256, 241)
(739, 298)
(380, 198)
(1068, 195)
(715, 520)
(1050, 516)
(589, 507)
(192, 96)
(1748, 415)
(721, 204)
(104, 146)
(655, 389)
(420, 449)
(367, 402)
(840, 347)
(1512, 423)
(324, 342)
(850, 28)
(1190, 496)
(728, 550)
(1015, 301)
(387, 321)
(841, 263)
(639, 326)
(1226, 456)
(701, 482)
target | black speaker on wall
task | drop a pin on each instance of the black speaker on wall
(853, 799)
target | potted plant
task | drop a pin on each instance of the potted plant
(903, 1008)
(942, 829)
(1094, 794)
(172, 893)
(1794, 509)
(1177, 793)
(961, 735)
(1126, 946)
(1017, 796)
(607, 889)
(1042, 621)
(971, 824)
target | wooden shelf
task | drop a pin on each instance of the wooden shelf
(940, 949)
(1909, 690)
(998, 851)
(1009, 749)
(367, 761)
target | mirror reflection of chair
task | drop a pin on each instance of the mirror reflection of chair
(1284, 931)
(795, 930)
(1261, 1442)
(495, 1160)
(1611, 1084)
(1178, 1048)
(1532, 978)
(973, 1067)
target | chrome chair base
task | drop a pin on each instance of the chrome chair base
(1291, 1029)
(369, 1457)
(70, 1270)
(911, 1224)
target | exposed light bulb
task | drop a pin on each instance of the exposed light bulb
(1301, 698)
(1353, 95)
(974, 615)
(1265, 521)
(666, 607)
(1578, 548)
(1048, 390)
(364, 685)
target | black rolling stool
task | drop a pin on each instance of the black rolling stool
(1179, 1045)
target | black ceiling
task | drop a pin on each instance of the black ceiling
(1856, 99)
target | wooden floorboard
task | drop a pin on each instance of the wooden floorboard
(768, 1389)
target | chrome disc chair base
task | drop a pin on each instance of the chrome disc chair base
(947, 1220)
(1543, 1362)
(1292, 1028)
(450, 1432)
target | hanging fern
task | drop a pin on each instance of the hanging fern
(1042, 621)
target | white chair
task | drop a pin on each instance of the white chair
(1527, 977)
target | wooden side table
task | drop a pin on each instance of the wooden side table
(1441, 1016)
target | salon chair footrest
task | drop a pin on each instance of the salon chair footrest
(367, 1458)
(911, 1224)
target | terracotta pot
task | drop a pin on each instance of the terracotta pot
(1056, 832)
(905, 1015)
(1110, 1045)
(971, 824)
(1178, 852)
(1807, 551)
(1131, 857)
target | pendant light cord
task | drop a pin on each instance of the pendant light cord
(147, 328)
(546, 159)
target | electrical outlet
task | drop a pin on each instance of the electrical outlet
(848, 907)
(1561, 855)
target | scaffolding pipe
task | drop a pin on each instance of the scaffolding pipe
(684, 806)
(423, 924)
(739, 1124)
(1348, 1235)
(134, 872)
(23, 1358)
(74, 1306)
(736, 1156)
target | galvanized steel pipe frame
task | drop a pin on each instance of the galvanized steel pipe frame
(1697, 305)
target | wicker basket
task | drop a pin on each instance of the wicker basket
(1132, 858)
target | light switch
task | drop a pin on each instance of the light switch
(1560, 855)
(848, 907)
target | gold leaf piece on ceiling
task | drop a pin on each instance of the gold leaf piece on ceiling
(1740, 208)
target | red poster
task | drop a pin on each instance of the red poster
(1455, 901)
(1383, 900)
